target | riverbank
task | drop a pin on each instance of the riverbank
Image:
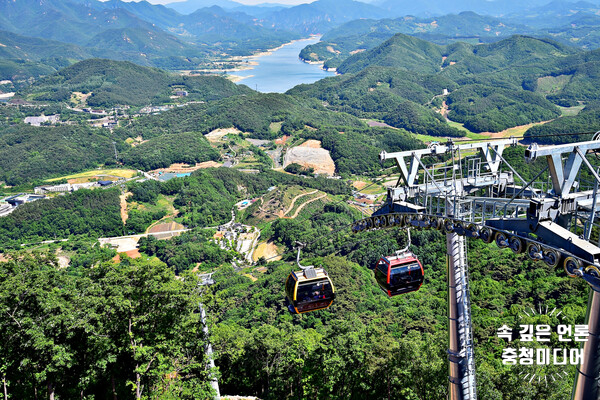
(278, 69)
(251, 61)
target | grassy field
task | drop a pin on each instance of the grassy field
(570, 111)
(121, 173)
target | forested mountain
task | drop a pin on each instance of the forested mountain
(78, 23)
(322, 15)
(138, 40)
(17, 46)
(575, 26)
(140, 32)
(441, 7)
(109, 83)
(189, 6)
(492, 86)
(32, 153)
(251, 113)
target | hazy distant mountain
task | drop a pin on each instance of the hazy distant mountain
(365, 34)
(62, 20)
(260, 11)
(441, 7)
(34, 49)
(189, 6)
(322, 15)
(156, 14)
(144, 41)
(139, 31)
(555, 14)
(463, 25)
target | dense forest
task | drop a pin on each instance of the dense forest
(111, 83)
(92, 213)
(117, 330)
(80, 321)
(163, 151)
(30, 153)
(251, 114)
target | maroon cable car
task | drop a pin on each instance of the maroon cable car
(400, 273)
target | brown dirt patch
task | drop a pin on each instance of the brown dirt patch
(358, 185)
(310, 154)
(181, 168)
(133, 253)
(123, 199)
(166, 227)
(266, 250)
(312, 144)
(217, 134)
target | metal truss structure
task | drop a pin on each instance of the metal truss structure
(470, 190)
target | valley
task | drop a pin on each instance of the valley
(154, 158)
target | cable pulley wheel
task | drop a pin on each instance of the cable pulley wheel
(473, 231)
(459, 228)
(551, 257)
(516, 245)
(593, 271)
(448, 225)
(534, 251)
(501, 240)
(486, 234)
(572, 265)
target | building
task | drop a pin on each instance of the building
(23, 198)
(42, 119)
(65, 187)
(6, 209)
(111, 124)
(181, 93)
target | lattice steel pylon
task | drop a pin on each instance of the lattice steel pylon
(472, 193)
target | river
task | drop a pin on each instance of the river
(281, 69)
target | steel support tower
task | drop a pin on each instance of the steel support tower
(474, 192)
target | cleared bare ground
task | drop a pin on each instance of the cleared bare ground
(166, 227)
(268, 250)
(218, 134)
(311, 154)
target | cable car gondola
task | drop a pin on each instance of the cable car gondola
(400, 273)
(307, 290)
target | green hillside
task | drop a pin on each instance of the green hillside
(485, 108)
(365, 34)
(251, 113)
(388, 94)
(401, 51)
(162, 151)
(18, 69)
(138, 40)
(587, 121)
(490, 87)
(119, 82)
(29, 153)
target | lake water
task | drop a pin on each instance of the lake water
(282, 69)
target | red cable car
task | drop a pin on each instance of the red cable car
(399, 274)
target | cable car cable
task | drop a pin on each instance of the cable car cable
(528, 137)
